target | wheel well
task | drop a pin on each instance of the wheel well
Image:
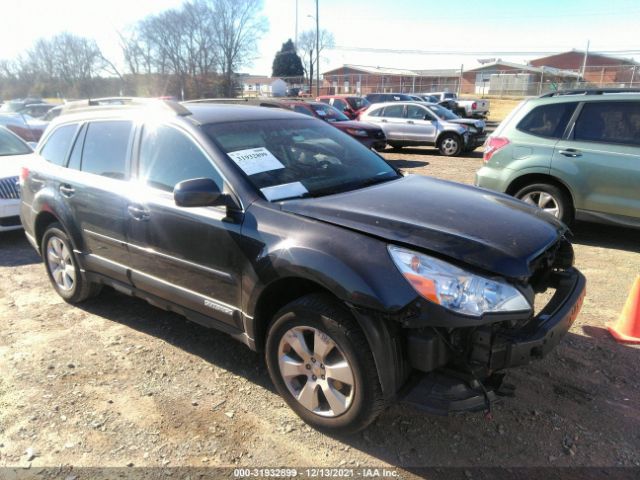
(42, 222)
(276, 296)
(525, 180)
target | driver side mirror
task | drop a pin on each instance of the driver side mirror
(199, 192)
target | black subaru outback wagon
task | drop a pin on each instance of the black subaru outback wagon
(361, 285)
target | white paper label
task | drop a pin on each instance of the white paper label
(255, 160)
(287, 190)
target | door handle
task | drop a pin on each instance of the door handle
(66, 190)
(383, 121)
(570, 152)
(410, 121)
(138, 213)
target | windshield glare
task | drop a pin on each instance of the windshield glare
(358, 102)
(442, 113)
(11, 145)
(298, 158)
(329, 113)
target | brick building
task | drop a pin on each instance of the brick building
(600, 69)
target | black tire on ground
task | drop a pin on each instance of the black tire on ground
(558, 195)
(450, 145)
(80, 288)
(380, 148)
(327, 315)
(397, 146)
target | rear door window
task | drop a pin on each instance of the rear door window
(106, 148)
(58, 144)
(301, 109)
(394, 111)
(609, 122)
(549, 121)
(340, 104)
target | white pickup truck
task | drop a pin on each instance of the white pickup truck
(464, 108)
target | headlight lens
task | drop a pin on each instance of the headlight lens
(357, 132)
(454, 288)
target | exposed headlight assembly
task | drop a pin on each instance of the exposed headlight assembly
(454, 288)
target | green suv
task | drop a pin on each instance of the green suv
(575, 154)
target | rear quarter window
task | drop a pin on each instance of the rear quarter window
(548, 121)
(57, 146)
(609, 122)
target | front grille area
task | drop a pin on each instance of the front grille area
(9, 188)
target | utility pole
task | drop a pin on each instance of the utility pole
(317, 51)
(311, 72)
(584, 62)
(296, 26)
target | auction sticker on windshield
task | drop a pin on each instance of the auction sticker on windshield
(287, 190)
(255, 160)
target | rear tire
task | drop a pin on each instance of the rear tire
(396, 146)
(550, 198)
(450, 145)
(313, 337)
(62, 267)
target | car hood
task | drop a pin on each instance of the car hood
(490, 231)
(354, 124)
(479, 124)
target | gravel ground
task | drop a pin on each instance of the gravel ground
(116, 382)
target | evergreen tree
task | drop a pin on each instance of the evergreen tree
(287, 63)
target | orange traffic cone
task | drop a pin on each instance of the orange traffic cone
(627, 329)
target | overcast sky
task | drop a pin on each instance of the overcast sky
(424, 25)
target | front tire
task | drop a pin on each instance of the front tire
(549, 198)
(450, 145)
(321, 364)
(62, 267)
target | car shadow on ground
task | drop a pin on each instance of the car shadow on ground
(404, 163)
(15, 250)
(607, 236)
(426, 151)
(525, 430)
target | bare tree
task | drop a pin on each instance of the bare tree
(238, 26)
(307, 45)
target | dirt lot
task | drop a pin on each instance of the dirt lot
(117, 382)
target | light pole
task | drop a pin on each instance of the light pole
(317, 51)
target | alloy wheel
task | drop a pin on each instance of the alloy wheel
(449, 146)
(543, 200)
(60, 264)
(316, 371)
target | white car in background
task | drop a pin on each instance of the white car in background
(12, 152)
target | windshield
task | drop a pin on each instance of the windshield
(12, 145)
(358, 102)
(442, 113)
(11, 107)
(329, 113)
(298, 158)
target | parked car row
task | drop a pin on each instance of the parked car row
(359, 284)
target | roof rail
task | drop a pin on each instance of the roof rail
(217, 100)
(110, 103)
(589, 91)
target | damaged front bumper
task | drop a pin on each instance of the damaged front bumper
(459, 369)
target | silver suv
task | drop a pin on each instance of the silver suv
(422, 123)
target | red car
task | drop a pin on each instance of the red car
(350, 105)
(369, 135)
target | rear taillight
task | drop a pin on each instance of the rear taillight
(474, 105)
(492, 146)
(24, 174)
